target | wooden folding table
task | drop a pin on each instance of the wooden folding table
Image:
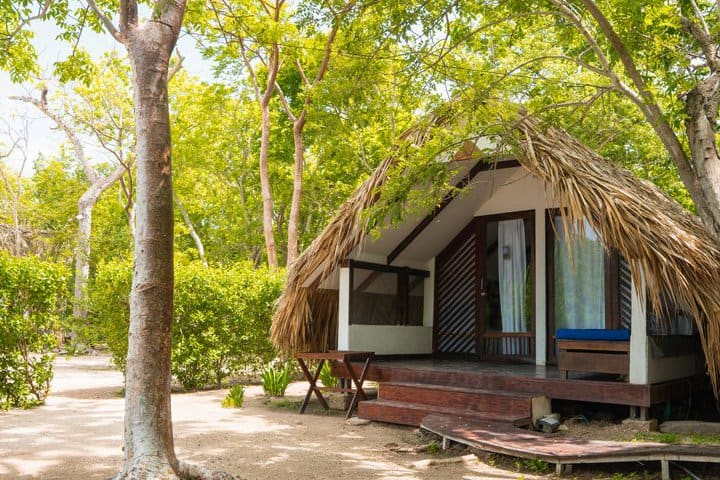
(340, 356)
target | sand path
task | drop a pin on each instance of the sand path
(78, 435)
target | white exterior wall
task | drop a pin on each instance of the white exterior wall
(638, 337)
(391, 339)
(540, 289)
(344, 310)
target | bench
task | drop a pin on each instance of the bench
(593, 350)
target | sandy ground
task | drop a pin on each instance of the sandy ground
(77, 434)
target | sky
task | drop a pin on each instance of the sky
(45, 138)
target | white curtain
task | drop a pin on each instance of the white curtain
(512, 267)
(579, 280)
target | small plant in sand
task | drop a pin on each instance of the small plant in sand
(276, 378)
(234, 397)
(433, 448)
(327, 378)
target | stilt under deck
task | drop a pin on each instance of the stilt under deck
(411, 389)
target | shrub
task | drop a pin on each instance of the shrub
(326, 376)
(275, 379)
(221, 318)
(234, 397)
(31, 292)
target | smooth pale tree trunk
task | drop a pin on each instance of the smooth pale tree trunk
(270, 245)
(86, 204)
(149, 448)
(299, 160)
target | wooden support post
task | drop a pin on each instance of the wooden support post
(633, 412)
(665, 467)
(643, 413)
(445, 443)
(562, 469)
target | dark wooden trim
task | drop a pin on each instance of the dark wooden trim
(387, 268)
(480, 282)
(481, 300)
(612, 289)
(435, 309)
(403, 304)
(351, 293)
(481, 166)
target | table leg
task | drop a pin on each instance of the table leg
(313, 385)
(359, 392)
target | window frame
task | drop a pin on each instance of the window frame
(403, 291)
(612, 284)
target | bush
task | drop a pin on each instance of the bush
(327, 378)
(30, 295)
(221, 318)
(234, 397)
(276, 378)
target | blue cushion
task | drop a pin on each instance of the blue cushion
(592, 334)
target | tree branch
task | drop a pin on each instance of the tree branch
(285, 103)
(708, 46)
(107, 23)
(301, 71)
(128, 14)
(700, 17)
(178, 65)
(23, 22)
(74, 139)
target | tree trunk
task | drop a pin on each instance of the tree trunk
(149, 448)
(702, 107)
(82, 258)
(270, 246)
(86, 204)
(294, 220)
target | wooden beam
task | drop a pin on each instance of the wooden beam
(481, 166)
(386, 268)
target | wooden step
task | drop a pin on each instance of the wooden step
(405, 413)
(489, 403)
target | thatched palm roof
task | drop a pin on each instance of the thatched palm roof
(679, 258)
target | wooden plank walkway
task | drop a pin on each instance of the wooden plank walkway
(504, 438)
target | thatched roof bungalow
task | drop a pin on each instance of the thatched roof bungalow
(557, 242)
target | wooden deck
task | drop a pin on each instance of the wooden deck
(522, 378)
(500, 437)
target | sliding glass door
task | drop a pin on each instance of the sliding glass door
(505, 269)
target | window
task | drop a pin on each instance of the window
(385, 295)
(588, 286)
(579, 278)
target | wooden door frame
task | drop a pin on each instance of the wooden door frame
(480, 299)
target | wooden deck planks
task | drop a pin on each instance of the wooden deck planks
(511, 378)
(503, 438)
